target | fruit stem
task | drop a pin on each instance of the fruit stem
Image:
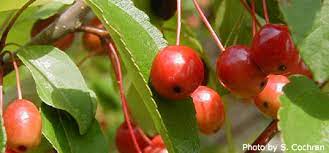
(12, 22)
(246, 6)
(267, 19)
(97, 31)
(265, 136)
(210, 29)
(254, 26)
(18, 82)
(114, 57)
(144, 136)
(179, 21)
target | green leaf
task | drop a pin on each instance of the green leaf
(233, 23)
(43, 147)
(59, 83)
(310, 32)
(61, 131)
(14, 5)
(138, 42)
(304, 116)
(300, 25)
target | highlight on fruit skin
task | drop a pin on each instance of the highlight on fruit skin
(176, 72)
(209, 109)
(124, 142)
(273, 49)
(91, 41)
(238, 73)
(268, 101)
(62, 43)
(22, 121)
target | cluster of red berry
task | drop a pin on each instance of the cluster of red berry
(258, 72)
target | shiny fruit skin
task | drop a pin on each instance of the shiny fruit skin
(268, 101)
(124, 142)
(209, 109)
(157, 146)
(239, 73)
(176, 72)
(62, 43)
(164, 9)
(22, 121)
(91, 41)
(273, 49)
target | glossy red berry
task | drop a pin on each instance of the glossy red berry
(22, 121)
(157, 146)
(176, 72)
(124, 142)
(62, 43)
(239, 73)
(268, 101)
(209, 109)
(273, 49)
(91, 41)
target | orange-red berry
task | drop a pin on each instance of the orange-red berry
(209, 109)
(91, 41)
(268, 101)
(22, 121)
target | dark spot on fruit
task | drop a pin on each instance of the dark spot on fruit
(265, 104)
(177, 89)
(22, 148)
(262, 84)
(282, 67)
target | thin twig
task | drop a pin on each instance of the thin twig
(267, 19)
(246, 6)
(265, 136)
(114, 57)
(179, 21)
(97, 31)
(253, 18)
(12, 22)
(210, 29)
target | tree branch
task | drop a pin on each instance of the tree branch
(68, 21)
(265, 136)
